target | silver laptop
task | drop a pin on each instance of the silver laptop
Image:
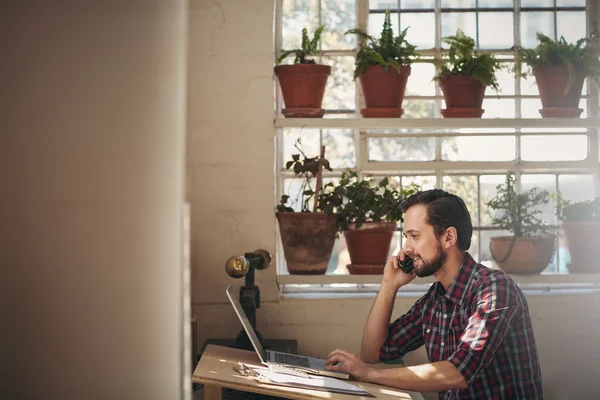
(309, 365)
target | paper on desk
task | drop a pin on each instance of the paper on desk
(313, 382)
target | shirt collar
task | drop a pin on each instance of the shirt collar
(458, 288)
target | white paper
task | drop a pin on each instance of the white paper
(312, 382)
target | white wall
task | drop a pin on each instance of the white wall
(92, 182)
(230, 167)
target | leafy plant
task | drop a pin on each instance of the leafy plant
(387, 51)
(587, 210)
(309, 48)
(307, 168)
(463, 60)
(578, 59)
(368, 201)
(518, 210)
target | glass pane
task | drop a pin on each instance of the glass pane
(375, 24)
(570, 3)
(458, 3)
(571, 25)
(425, 182)
(339, 257)
(341, 90)
(534, 22)
(506, 79)
(544, 182)
(479, 148)
(496, 3)
(309, 142)
(416, 4)
(338, 16)
(537, 3)
(420, 80)
(339, 147)
(563, 258)
(422, 29)
(293, 187)
(401, 149)
(419, 108)
(498, 108)
(466, 188)
(487, 187)
(528, 85)
(296, 15)
(383, 4)
(530, 108)
(576, 187)
(451, 22)
(554, 148)
(496, 30)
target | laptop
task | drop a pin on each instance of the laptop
(310, 365)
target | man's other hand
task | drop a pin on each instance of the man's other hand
(340, 360)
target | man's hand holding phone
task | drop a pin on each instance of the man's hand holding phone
(399, 271)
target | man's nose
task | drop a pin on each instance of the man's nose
(407, 248)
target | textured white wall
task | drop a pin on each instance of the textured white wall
(230, 167)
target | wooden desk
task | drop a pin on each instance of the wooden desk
(215, 371)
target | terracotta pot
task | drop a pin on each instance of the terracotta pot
(307, 240)
(552, 82)
(383, 91)
(582, 240)
(369, 246)
(463, 96)
(303, 87)
(529, 255)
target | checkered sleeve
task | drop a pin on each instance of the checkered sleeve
(405, 334)
(497, 305)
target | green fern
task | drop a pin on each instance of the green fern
(579, 57)
(463, 60)
(309, 48)
(387, 51)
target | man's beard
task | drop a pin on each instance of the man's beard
(428, 268)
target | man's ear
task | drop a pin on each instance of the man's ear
(450, 237)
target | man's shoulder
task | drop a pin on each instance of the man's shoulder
(484, 276)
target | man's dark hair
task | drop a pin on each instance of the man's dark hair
(443, 211)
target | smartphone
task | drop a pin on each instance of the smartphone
(407, 265)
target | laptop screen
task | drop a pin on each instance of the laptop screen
(246, 323)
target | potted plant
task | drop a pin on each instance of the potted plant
(531, 247)
(581, 224)
(383, 67)
(308, 236)
(560, 69)
(303, 82)
(464, 74)
(368, 217)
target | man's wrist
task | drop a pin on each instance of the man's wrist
(392, 286)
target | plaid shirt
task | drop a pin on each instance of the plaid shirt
(481, 325)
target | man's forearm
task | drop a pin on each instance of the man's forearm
(378, 323)
(433, 377)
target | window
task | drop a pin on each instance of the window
(423, 148)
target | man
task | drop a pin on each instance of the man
(474, 321)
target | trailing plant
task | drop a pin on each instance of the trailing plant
(519, 214)
(368, 201)
(580, 57)
(587, 210)
(309, 48)
(387, 51)
(463, 60)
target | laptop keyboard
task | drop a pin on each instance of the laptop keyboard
(291, 359)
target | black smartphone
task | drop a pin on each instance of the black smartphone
(407, 265)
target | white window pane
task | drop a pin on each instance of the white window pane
(341, 89)
(537, 3)
(506, 80)
(544, 182)
(496, 3)
(496, 30)
(298, 14)
(338, 16)
(571, 25)
(401, 149)
(458, 3)
(417, 4)
(487, 185)
(479, 148)
(554, 148)
(498, 108)
(375, 24)
(570, 3)
(383, 4)
(339, 147)
(424, 181)
(533, 22)
(451, 22)
(528, 85)
(465, 187)
(530, 108)
(420, 80)
(419, 108)
(576, 187)
(293, 187)
(422, 29)
(309, 139)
